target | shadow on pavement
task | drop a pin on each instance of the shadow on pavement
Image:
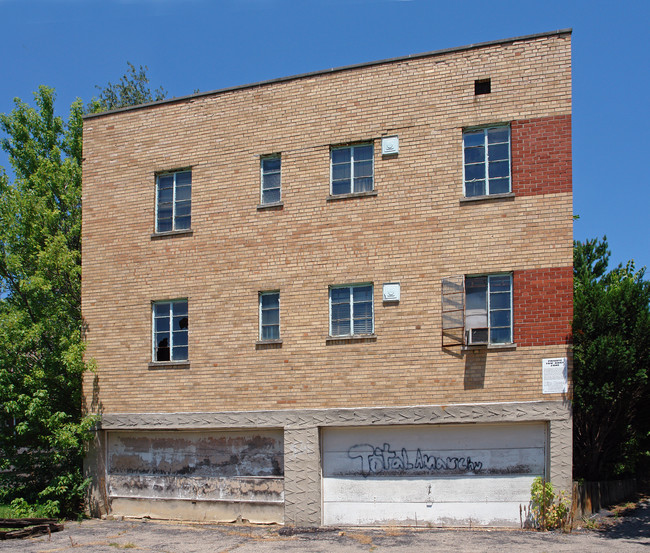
(634, 525)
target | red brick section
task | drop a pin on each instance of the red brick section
(541, 156)
(543, 306)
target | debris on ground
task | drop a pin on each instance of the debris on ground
(28, 527)
(293, 530)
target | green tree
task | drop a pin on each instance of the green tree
(41, 362)
(611, 332)
(42, 424)
(132, 89)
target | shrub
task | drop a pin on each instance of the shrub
(548, 510)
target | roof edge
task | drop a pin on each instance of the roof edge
(433, 53)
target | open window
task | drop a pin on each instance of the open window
(477, 310)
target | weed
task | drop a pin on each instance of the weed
(549, 510)
(624, 508)
(590, 523)
(365, 539)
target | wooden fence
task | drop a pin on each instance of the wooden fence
(591, 497)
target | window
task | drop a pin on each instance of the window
(352, 169)
(170, 330)
(488, 309)
(269, 316)
(486, 161)
(173, 201)
(351, 311)
(270, 170)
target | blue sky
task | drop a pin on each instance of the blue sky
(73, 45)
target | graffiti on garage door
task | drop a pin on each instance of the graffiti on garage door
(384, 460)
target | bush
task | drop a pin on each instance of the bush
(548, 511)
(21, 509)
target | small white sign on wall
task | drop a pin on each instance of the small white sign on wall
(555, 375)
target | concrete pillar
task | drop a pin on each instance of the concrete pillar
(302, 487)
(561, 454)
(95, 469)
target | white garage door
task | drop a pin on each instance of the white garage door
(456, 475)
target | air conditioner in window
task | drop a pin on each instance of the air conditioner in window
(476, 336)
(476, 327)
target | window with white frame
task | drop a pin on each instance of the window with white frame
(173, 201)
(170, 330)
(269, 316)
(486, 164)
(488, 309)
(351, 169)
(270, 167)
(351, 310)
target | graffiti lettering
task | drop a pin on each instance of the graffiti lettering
(384, 460)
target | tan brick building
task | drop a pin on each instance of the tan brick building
(336, 298)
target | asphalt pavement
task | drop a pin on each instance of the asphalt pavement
(628, 533)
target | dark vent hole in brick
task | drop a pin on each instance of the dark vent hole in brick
(482, 86)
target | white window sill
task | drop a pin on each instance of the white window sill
(184, 232)
(334, 197)
(158, 365)
(507, 195)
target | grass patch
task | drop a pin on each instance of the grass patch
(590, 523)
(624, 508)
(6, 511)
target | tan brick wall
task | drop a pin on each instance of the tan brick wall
(415, 231)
